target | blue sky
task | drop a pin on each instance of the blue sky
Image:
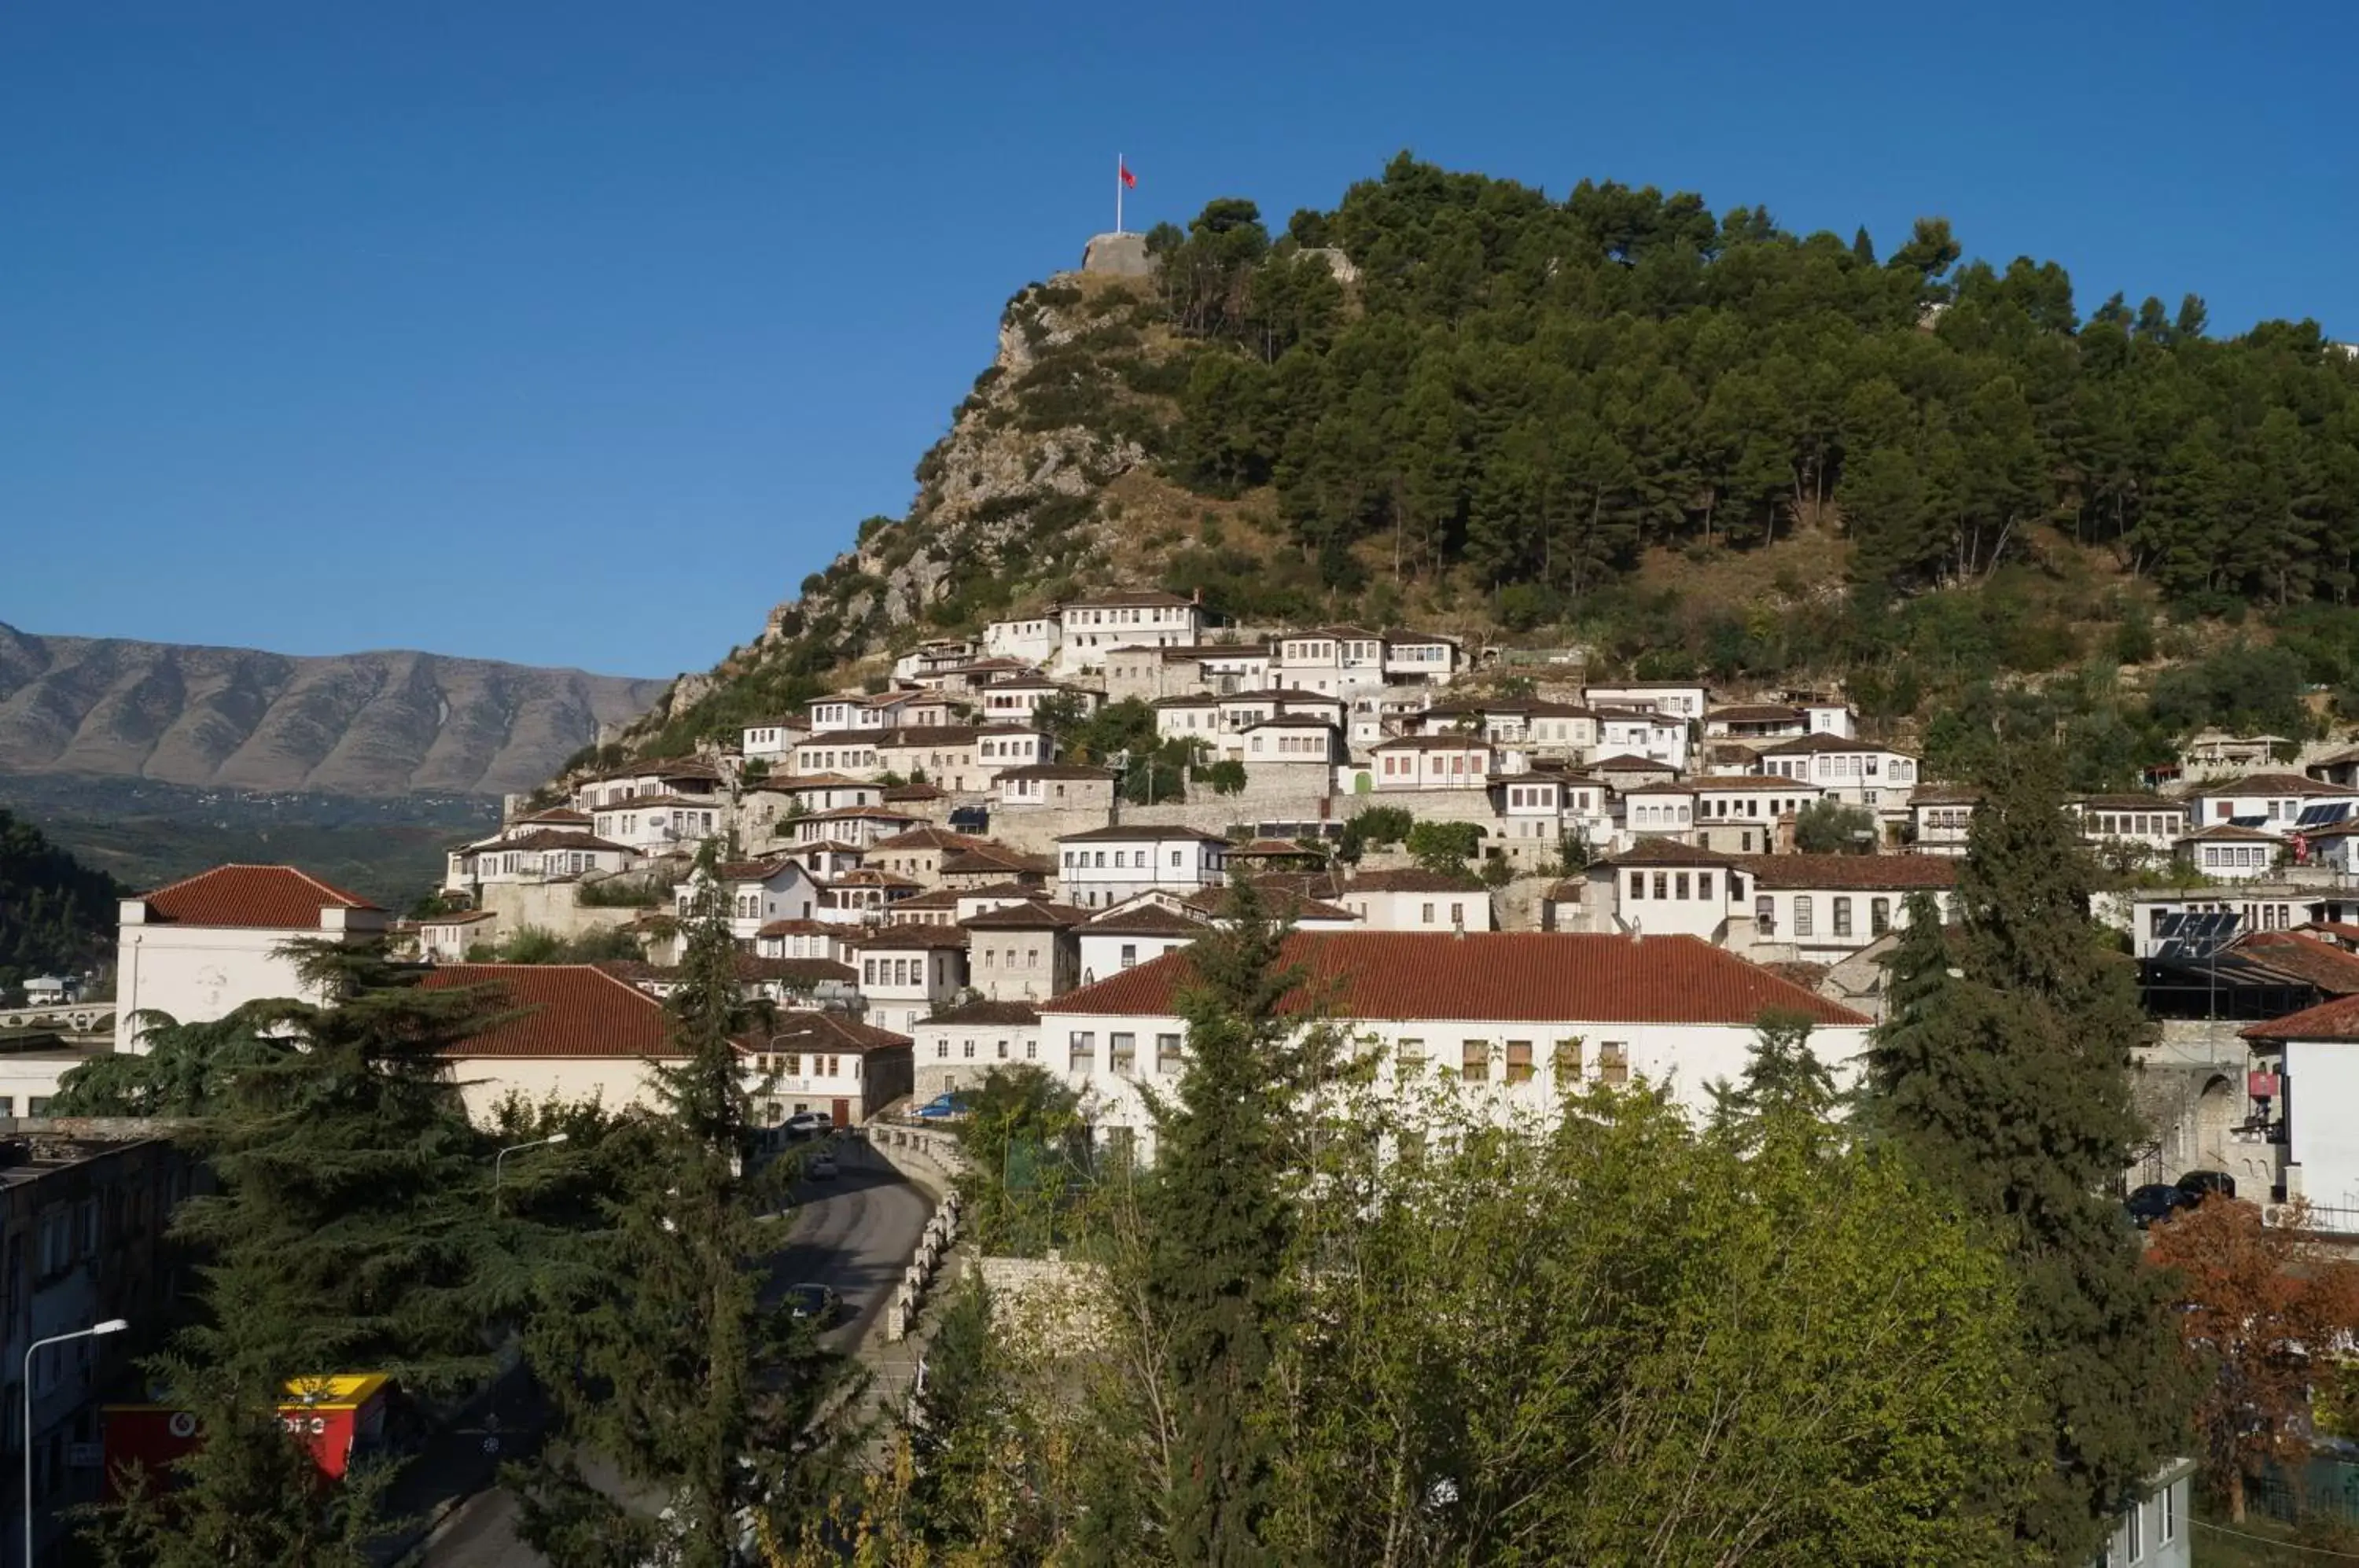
(579, 333)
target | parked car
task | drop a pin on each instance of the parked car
(2201, 1184)
(821, 1168)
(821, 1305)
(944, 1107)
(804, 1124)
(2158, 1200)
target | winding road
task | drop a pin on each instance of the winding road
(856, 1233)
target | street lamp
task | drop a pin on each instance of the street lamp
(517, 1149)
(112, 1325)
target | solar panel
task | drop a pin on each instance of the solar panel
(2319, 815)
(2194, 933)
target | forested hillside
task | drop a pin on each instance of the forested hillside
(1693, 445)
(55, 914)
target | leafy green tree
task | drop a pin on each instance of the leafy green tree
(661, 1357)
(181, 1069)
(1445, 847)
(2000, 1072)
(1020, 1123)
(55, 913)
(1374, 829)
(1831, 827)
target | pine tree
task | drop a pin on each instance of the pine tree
(2003, 1083)
(660, 1356)
(1221, 1216)
(350, 1232)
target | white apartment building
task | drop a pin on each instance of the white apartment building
(1140, 932)
(1433, 762)
(1031, 640)
(1088, 628)
(1852, 771)
(1678, 700)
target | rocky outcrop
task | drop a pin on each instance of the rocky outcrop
(365, 723)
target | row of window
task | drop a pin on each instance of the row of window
(966, 1050)
(1122, 1051)
(819, 759)
(2236, 856)
(892, 971)
(1133, 859)
(1475, 1058)
(1879, 915)
(789, 1064)
(2107, 825)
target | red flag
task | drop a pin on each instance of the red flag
(1129, 180)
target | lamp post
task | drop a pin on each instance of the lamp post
(517, 1149)
(112, 1325)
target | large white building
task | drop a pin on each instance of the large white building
(1528, 1015)
(202, 947)
(1089, 629)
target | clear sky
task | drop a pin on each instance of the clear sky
(578, 334)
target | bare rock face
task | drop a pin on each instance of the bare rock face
(366, 723)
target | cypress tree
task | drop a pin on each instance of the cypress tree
(1999, 1071)
(659, 1352)
(1222, 1224)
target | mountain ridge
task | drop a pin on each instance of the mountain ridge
(378, 723)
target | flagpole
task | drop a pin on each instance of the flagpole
(1117, 194)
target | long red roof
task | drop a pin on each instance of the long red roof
(1508, 976)
(561, 1009)
(274, 898)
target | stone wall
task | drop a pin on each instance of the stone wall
(1047, 1304)
(551, 906)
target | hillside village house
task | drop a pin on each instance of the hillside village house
(1057, 786)
(1088, 628)
(754, 893)
(445, 939)
(1434, 762)
(1852, 771)
(1018, 701)
(909, 971)
(852, 752)
(1103, 866)
(698, 783)
(1816, 908)
(1522, 1019)
(1329, 660)
(1658, 737)
(773, 741)
(200, 947)
(2304, 1081)
(1028, 640)
(1754, 721)
(2142, 822)
(656, 824)
(1940, 817)
(998, 747)
(546, 855)
(1673, 699)
(2277, 804)
(1023, 950)
(2227, 853)
(859, 826)
(827, 1062)
(1741, 813)
(1413, 898)
(958, 1047)
(1135, 933)
(941, 753)
(1304, 741)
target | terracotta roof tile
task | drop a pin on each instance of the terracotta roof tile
(907, 934)
(2337, 1020)
(2329, 968)
(1020, 1014)
(1501, 976)
(1877, 872)
(1031, 914)
(807, 1032)
(1147, 919)
(1413, 879)
(272, 897)
(560, 1009)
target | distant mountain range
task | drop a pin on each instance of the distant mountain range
(361, 724)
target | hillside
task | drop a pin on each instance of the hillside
(1688, 444)
(363, 723)
(56, 915)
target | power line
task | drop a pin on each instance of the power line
(2281, 1545)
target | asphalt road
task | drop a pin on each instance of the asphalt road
(856, 1234)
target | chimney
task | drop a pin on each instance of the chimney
(1458, 923)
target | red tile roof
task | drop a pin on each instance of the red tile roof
(274, 898)
(1413, 879)
(2337, 1020)
(1030, 914)
(1506, 976)
(1875, 872)
(906, 936)
(2332, 969)
(807, 1032)
(1147, 919)
(560, 1009)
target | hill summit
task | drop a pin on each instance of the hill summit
(1681, 443)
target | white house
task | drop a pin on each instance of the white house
(2151, 822)
(1030, 639)
(849, 752)
(1680, 700)
(1527, 1016)
(1852, 771)
(1630, 732)
(1336, 660)
(546, 855)
(1426, 659)
(2228, 852)
(569, 1031)
(826, 1062)
(1741, 811)
(1088, 628)
(998, 747)
(960, 1046)
(1058, 787)
(656, 824)
(1139, 932)
(1101, 867)
(1940, 816)
(771, 741)
(1756, 721)
(202, 947)
(1016, 701)
(1820, 908)
(1433, 762)
(909, 971)
(445, 939)
(2303, 1083)
(686, 779)
(2279, 804)
(1414, 899)
(754, 893)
